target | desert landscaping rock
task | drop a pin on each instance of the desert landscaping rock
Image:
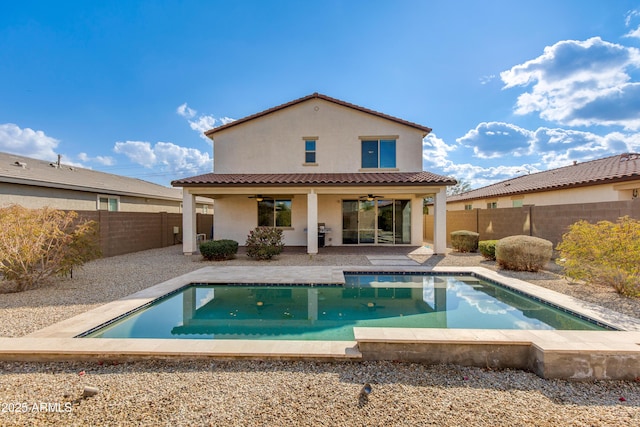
(258, 393)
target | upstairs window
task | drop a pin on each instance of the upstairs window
(378, 153)
(310, 151)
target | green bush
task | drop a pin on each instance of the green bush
(465, 240)
(37, 244)
(605, 253)
(264, 242)
(219, 250)
(488, 249)
(523, 253)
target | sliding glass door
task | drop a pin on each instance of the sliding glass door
(402, 221)
(384, 221)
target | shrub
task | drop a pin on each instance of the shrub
(606, 253)
(465, 240)
(488, 249)
(523, 253)
(36, 244)
(219, 250)
(264, 242)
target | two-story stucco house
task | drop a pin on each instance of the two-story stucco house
(319, 165)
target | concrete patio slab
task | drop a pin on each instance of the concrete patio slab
(391, 260)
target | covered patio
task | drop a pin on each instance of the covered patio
(357, 209)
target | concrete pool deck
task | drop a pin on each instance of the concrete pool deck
(550, 354)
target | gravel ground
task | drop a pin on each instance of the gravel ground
(283, 393)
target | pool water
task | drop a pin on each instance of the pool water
(299, 312)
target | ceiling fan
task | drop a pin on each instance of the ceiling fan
(259, 197)
(370, 197)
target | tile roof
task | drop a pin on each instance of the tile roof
(316, 95)
(317, 179)
(24, 170)
(618, 168)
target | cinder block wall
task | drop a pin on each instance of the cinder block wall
(547, 222)
(551, 222)
(126, 232)
(495, 224)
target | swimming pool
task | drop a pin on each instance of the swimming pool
(330, 312)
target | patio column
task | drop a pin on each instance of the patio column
(312, 222)
(440, 222)
(417, 222)
(188, 223)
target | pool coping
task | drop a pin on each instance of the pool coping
(551, 354)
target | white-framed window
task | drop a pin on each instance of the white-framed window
(378, 153)
(468, 207)
(274, 213)
(310, 146)
(517, 203)
(108, 203)
(492, 205)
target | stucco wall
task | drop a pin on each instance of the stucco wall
(37, 197)
(274, 143)
(236, 216)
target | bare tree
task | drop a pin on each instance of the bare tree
(461, 187)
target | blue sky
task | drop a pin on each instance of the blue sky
(509, 87)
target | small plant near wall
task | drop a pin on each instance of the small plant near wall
(264, 243)
(487, 249)
(606, 253)
(523, 253)
(219, 250)
(465, 240)
(37, 244)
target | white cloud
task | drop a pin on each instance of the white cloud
(487, 79)
(495, 139)
(202, 123)
(435, 150)
(632, 15)
(166, 156)
(634, 33)
(185, 111)
(560, 147)
(580, 83)
(103, 160)
(520, 151)
(436, 157)
(137, 151)
(27, 142)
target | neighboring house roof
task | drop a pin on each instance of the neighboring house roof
(618, 168)
(27, 171)
(316, 95)
(317, 179)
